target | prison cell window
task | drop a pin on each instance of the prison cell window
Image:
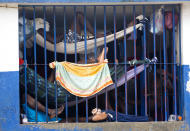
(141, 43)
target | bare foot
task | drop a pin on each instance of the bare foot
(52, 112)
(101, 56)
(99, 117)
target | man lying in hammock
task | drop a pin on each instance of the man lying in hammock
(41, 109)
(70, 36)
(30, 107)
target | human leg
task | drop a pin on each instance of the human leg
(101, 56)
(51, 112)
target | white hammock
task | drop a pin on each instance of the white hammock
(70, 47)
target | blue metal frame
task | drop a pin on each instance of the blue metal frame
(145, 75)
(95, 47)
(85, 46)
(25, 61)
(134, 46)
(85, 1)
(35, 63)
(164, 55)
(174, 63)
(45, 62)
(125, 57)
(55, 54)
(115, 57)
(154, 40)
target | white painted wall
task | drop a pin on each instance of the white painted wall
(185, 33)
(9, 43)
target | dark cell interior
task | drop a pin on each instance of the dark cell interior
(156, 87)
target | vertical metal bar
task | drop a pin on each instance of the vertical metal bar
(65, 48)
(115, 57)
(106, 93)
(105, 31)
(85, 43)
(35, 66)
(25, 61)
(55, 55)
(45, 62)
(164, 55)
(85, 56)
(144, 41)
(160, 75)
(95, 48)
(161, 80)
(134, 43)
(75, 25)
(179, 80)
(75, 57)
(66, 110)
(125, 57)
(155, 88)
(174, 62)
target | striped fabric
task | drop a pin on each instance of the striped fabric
(82, 80)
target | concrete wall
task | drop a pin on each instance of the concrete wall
(9, 79)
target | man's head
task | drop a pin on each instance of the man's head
(169, 20)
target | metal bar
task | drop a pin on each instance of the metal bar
(134, 43)
(144, 41)
(164, 55)
(85, 44)
(95, 47)
(45, 57)
(66, 102)
(155, 88)
(25, 61)
(105, 31)
(179, 80)
(76, 109)
(75, 26)
(125, 57)
(55, 55)
(160, 76)
(87, 5)
(35, 67)
(174, 61)
(66, 110)
(115, 65)
(106, 94)
(65, 33)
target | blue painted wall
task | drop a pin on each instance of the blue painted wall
(186, 78)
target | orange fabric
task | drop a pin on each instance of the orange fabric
(96, 91)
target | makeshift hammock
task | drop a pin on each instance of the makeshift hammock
(82, 80)
(62, 93)
(70, 47)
